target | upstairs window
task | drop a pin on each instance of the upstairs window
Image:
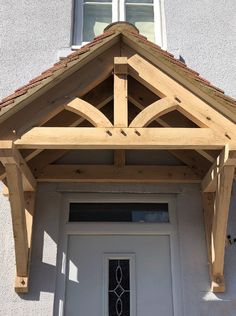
(92, 16)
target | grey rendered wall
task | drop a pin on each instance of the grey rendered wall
(31, 35)
(203, 32)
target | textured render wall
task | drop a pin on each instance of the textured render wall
(31, 35)
(203, 32)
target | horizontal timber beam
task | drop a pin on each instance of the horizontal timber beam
(111, 173)
(120, 138)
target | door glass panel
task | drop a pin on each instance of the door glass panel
(119, 287)
(142, 16)
(96, 17)
(119, 212)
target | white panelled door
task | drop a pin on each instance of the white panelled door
(118, 275)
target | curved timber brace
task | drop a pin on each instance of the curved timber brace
(21, 185)
(216, 188)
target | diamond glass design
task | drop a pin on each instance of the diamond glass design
(119, 287)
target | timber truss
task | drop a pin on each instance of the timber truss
(128, 103)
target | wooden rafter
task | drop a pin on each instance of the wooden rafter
(121, 138)
(156, 80)
(76, 85)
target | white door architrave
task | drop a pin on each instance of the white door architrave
(67, 229)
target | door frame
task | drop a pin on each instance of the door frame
(107, 229)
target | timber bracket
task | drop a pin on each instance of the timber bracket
(216, 194)
(21, 188)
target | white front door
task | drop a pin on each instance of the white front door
(118, 276)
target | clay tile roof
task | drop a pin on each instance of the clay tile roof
(130, 31)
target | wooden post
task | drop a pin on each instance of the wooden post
(216, 187)
(120, 92)
(16, 196)
(22, 282)
(219, 226)
(21, 186)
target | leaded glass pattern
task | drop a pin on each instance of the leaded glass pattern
(119, 287)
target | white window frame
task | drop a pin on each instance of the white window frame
(67, 229)
(118, 14)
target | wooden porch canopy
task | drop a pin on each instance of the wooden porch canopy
(120, 92)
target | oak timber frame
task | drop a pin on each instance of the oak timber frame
(211, 131)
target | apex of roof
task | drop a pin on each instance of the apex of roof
(122, 26)
(132, 33)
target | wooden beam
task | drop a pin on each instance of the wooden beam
(110, 173)
(119, 158)
(87, 74)
(16, 196)
(120, 92)
(22, 282)
(99, 97)
(186, 158)
(10, 154)
(154, 111)
(226, 157)
(121, 65)
(120, 138)
(156, 80)
(88, 112)
(219, 226)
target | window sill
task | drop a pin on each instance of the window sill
(65, 51)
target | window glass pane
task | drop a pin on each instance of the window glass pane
(143, 18)
(119, 212)
(119, 288)
(96, 18)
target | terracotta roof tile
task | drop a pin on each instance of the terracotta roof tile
(104, 35)
(5, 103)
(15, 95)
